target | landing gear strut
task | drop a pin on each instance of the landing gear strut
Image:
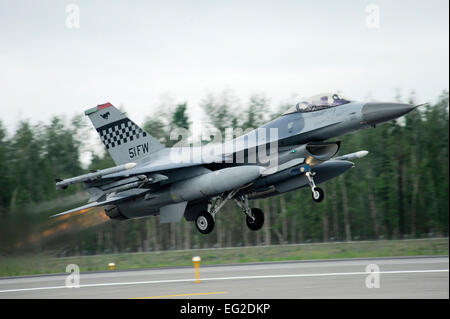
(255, 216)
(317, 192)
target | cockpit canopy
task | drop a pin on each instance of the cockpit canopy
(318, 102)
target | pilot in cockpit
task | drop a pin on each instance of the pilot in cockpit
(318, 102)
(324, 100)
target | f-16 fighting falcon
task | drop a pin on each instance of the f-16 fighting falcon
(290, 152)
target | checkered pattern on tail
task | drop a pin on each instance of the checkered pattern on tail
(120, 132)
(124, 140)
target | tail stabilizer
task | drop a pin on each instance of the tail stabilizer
(124, 140)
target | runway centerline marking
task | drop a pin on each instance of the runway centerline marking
(184, 295)
(232, 278)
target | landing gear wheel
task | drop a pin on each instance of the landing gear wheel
(258, 221)
(318, 194)
(204, 222)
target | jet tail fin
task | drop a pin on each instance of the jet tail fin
(124, 140)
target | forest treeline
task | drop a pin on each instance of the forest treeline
(400, 190)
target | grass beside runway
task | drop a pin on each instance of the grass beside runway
(47, 264)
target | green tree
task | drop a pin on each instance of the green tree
(5, 176)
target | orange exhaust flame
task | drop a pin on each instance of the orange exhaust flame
(69, 223)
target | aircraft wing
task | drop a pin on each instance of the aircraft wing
(114, 199)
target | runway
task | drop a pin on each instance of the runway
(406, 277)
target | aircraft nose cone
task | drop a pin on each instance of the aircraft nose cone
(374, 113)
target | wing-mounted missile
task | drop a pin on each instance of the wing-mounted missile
(351, 156)
(99, 192)
(93, 176)
(98, 188)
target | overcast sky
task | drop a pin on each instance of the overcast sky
(137, 53)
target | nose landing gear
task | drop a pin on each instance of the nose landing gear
(317, 192)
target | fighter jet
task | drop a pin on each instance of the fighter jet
(290, 152)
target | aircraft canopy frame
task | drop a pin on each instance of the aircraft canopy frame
(318, 102)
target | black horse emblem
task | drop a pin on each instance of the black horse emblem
(105, 116)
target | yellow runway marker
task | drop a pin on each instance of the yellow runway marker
(196, 260)
(185, 295)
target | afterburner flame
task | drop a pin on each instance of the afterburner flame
(66, 224)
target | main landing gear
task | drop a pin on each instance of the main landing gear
(205, 219)
(255, 216)
(204, 222)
